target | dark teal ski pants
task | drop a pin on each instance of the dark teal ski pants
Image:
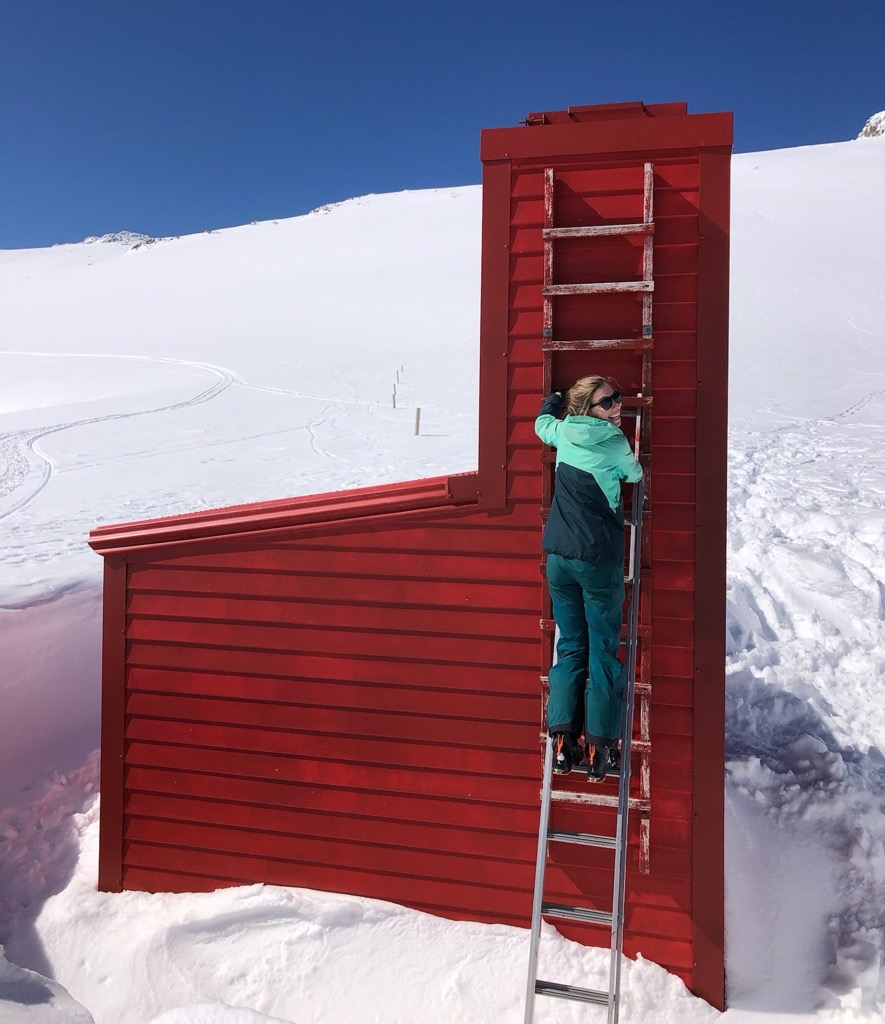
(587, 680)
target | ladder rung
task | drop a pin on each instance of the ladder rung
(599, 288)
(560, 835)
(611, 774)
(580, 995)
(579, 768)
(562, 910)
(599, 230)
(637, 747)
(565, 796)
(598, 345)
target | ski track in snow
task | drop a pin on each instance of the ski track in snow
(20, 449)
(29, 469)
(806, 644)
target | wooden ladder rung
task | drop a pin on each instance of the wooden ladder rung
(567, 796)
(599, 230)
(599, 288)
(598, 344)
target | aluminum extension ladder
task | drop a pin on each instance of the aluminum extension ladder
(617, 843)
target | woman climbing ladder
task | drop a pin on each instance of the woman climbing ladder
(584, 542)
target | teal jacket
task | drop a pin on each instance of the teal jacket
(593, 456)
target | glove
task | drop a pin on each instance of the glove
(552, 404)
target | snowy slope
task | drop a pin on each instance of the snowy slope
(292, 331)
(146, 379)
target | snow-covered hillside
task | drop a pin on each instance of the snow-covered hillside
(144, 379)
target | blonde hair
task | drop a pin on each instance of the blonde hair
(579, 396)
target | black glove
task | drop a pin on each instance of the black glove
(552, 404)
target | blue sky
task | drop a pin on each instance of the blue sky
(175, 116)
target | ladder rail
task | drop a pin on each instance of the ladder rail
(620, 879)
(540, 864)
(619, 846)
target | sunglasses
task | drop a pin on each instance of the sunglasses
(606, 403)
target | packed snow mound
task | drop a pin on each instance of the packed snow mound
(875, 126)
(28, 998)
(804, 719)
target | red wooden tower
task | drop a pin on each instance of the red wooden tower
(343, 691)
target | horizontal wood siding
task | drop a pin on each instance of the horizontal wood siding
(345, 714)
(342, 712)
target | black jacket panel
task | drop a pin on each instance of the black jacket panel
(581, 523)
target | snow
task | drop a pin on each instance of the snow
(141, 379)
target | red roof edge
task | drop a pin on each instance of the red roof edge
(258, 520)
(606, 112)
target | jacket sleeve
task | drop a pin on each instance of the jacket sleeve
(548, 424)
(626, 463)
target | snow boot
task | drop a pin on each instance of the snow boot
(598, 759)
(614, 758)
(567, 752)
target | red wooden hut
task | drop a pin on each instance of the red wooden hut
(344, 691)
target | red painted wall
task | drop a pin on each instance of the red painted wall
(342, 691)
